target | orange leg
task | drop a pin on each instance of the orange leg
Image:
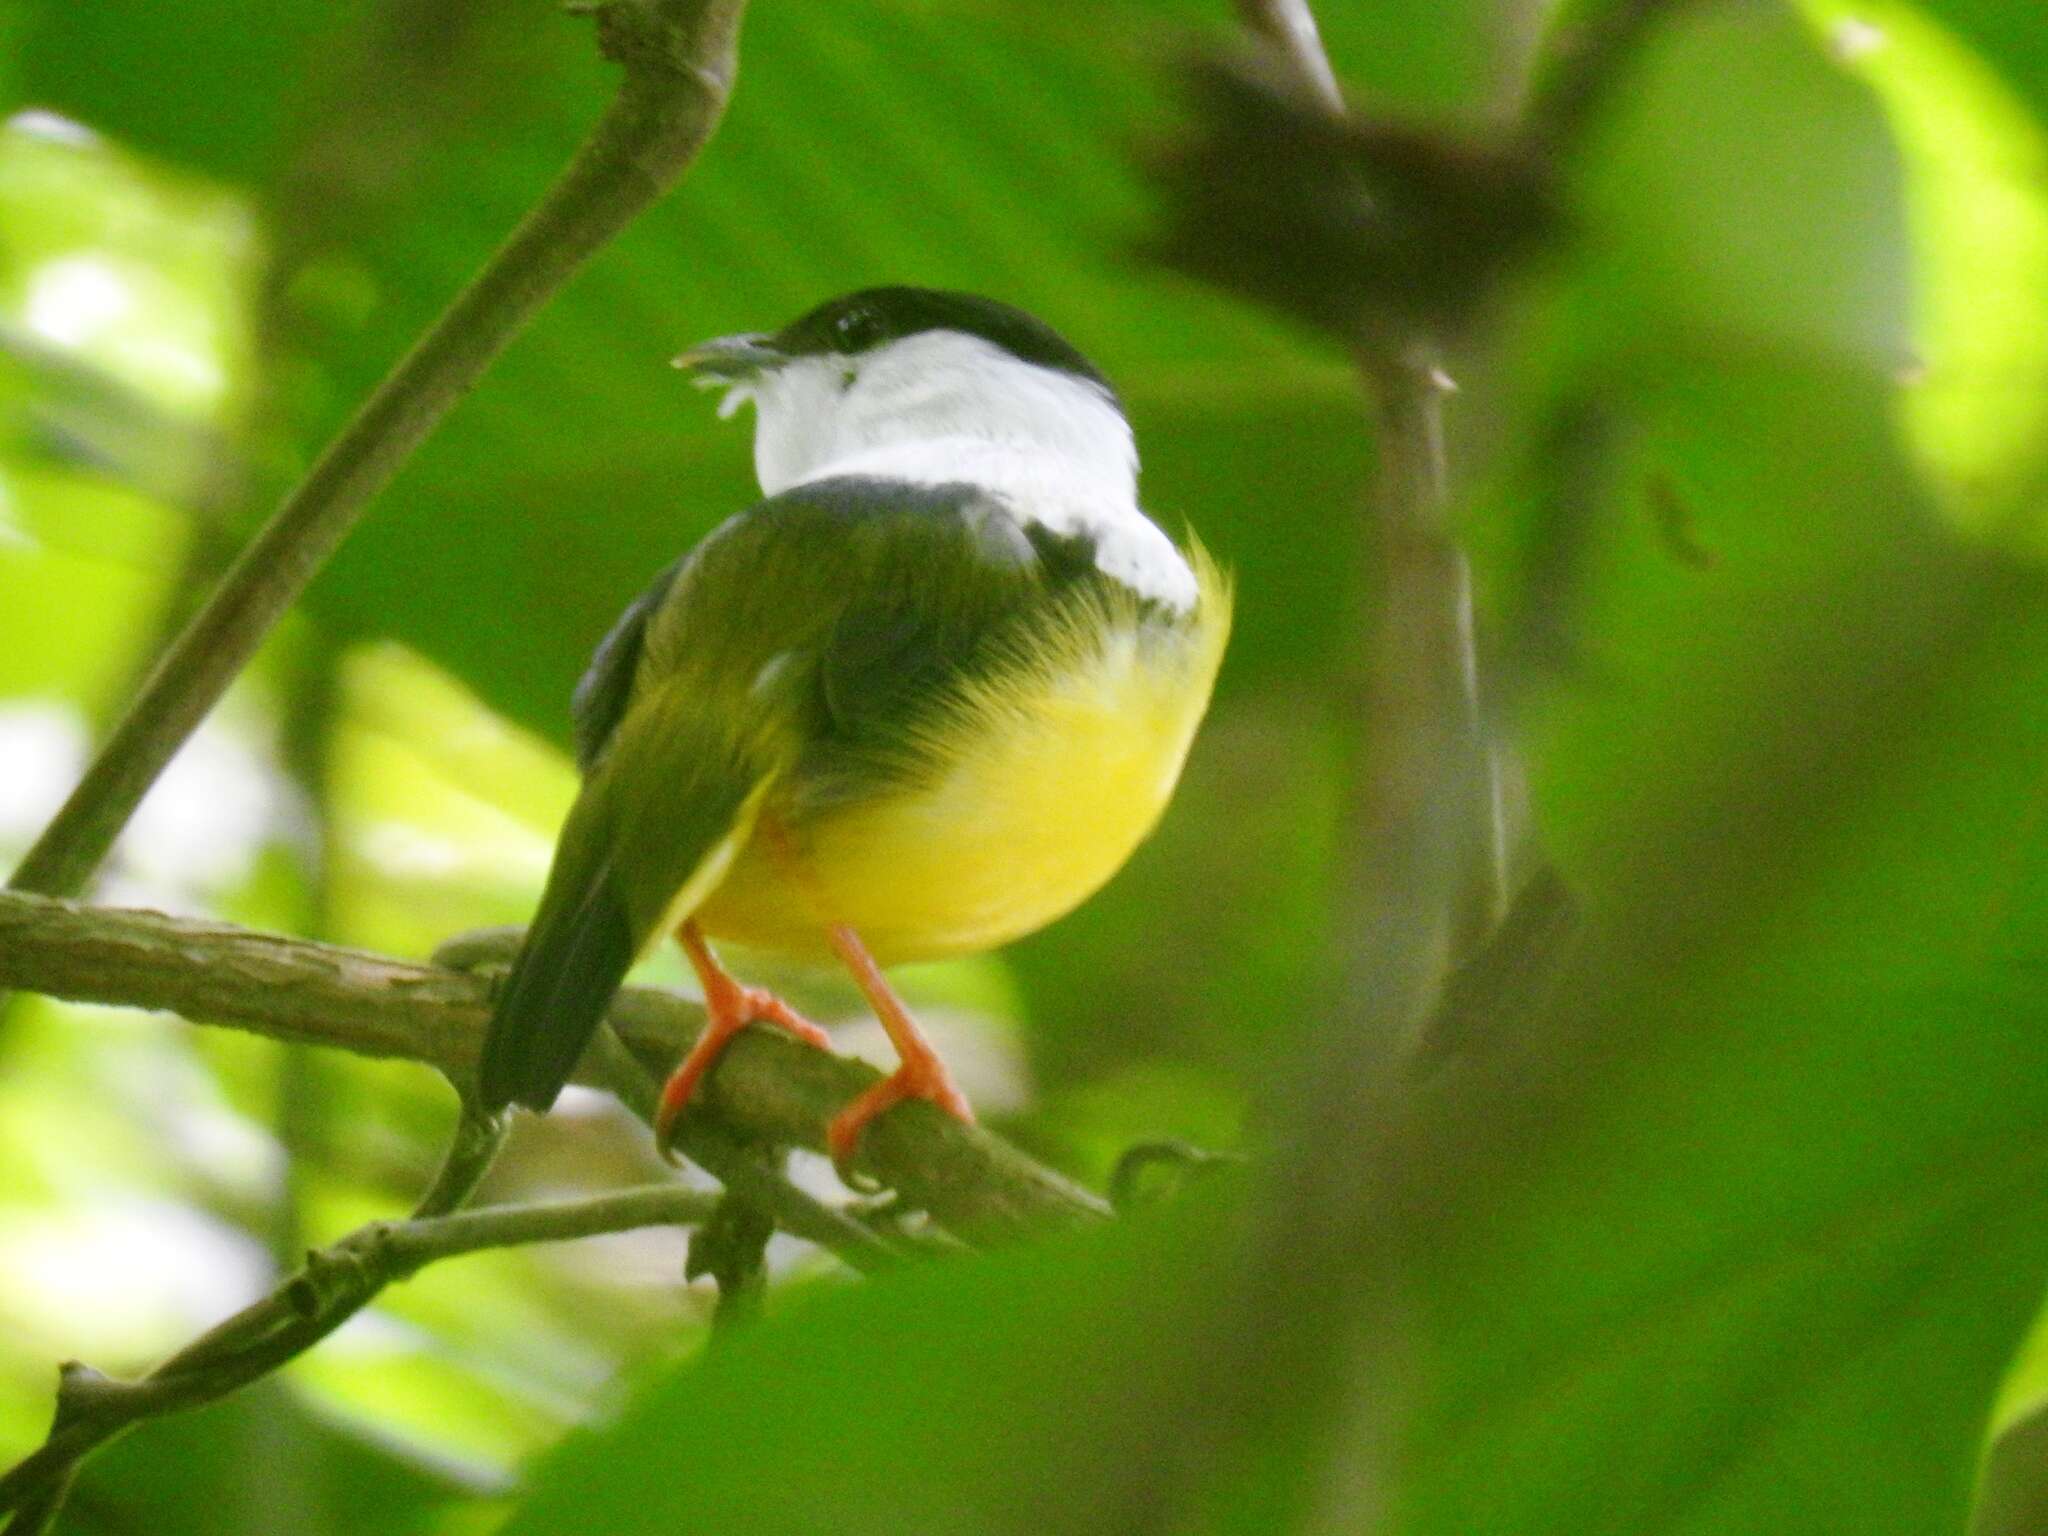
(728, 1008)
(922, 1075)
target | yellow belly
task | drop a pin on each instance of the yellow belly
(1045, 792)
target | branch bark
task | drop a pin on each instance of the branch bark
(1425, 840)
(767, 1089)
(679, 58)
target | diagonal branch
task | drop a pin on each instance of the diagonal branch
(334, 1284)
(679, 59)
(93, 1409)
(767, 1091)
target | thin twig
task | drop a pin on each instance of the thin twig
(767, 1090)
(334, 1284)
(679, 60)
(1288, 28)
(405, 1248)
(1428, 791)
(736, 1164)
(1419, 701)
(93, 1409)
(472, 1148)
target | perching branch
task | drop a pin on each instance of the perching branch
(319, 995)
(767, 1090)
(749, 1170)
(679, 59)
(333, 1285)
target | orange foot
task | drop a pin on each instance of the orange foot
(729, 1008)
(924, 1078)
(921, 1076)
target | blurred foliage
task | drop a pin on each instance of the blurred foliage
(1752, 466)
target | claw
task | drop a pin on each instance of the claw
(922, 1077)
(729, 1008)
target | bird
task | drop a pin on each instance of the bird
(923, 698)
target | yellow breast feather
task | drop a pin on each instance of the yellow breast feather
(1043, 778)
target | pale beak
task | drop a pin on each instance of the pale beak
(730, 359)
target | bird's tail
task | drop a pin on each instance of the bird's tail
(593, 922)
(582, 942)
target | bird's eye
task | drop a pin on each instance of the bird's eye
(856, 330)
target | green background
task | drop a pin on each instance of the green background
(1745, 1237)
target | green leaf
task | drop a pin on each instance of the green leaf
(1743, 1238)
(1975, 406)
(215, 86)
(191, 1473)
(2006, 36)
(984, 1394)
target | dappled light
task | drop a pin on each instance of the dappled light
(1555, 1042)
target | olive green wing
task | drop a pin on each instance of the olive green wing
(606, 688)
(621, 866)
(942, 586)
(674, 763)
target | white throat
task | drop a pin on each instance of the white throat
(943, 408)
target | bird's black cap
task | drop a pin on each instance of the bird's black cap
(873, 317)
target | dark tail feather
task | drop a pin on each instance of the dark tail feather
(577, 953)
